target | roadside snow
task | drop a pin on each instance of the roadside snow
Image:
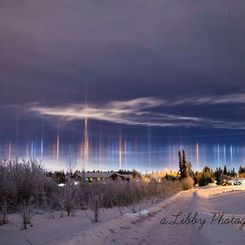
(146, 228)
(138, 228)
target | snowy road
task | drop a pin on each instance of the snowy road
(148, 230)
(199, 213)
(202, 226)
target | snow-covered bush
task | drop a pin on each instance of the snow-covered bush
(187, 183)
(24, 180)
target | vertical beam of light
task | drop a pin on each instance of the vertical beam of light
(32, 151)
(175, 154)
(205, 153)
(106, 150)
(86, 144)
(81, 154)
(100, 150)
(197, 156)
(224, 154)
(57, 148)
(125, 154)
(170, 155)
(41, 149)
(70, 159)
(218, 156)
(41, 145)
(136, 153)
(212, 157)
(149, 147)
(120, 150)
(17, 134)
(111, 156)
(86, 139)
(10, 151)
(231, 151)
(27, 151)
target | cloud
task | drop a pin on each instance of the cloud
(132, 112)
(141, 111)
(236, 98)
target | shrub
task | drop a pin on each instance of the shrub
(187, 183)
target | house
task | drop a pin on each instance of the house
(224, 179)
(103, 176)
(237, 181)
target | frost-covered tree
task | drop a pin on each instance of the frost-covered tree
(95, 200)
(27, 212)
(68, 195)
(4, 209)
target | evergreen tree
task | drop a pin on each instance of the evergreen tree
(217, 175)
(225, 170)
(207, 169)
(184, 158)
(233, 172)
(183, 166)
(180, 160)
(189, 170)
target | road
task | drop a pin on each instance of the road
(162, 225)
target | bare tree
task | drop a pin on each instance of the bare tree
(135, 195)
(117, 190)
(4, 209)
(68, 197)
(95, 200)
(25, 184)
(27, 212)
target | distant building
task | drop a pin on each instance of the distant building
(103, 176)
(160, 176)
(224, 179)
(237, 181)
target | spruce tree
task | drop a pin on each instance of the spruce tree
(225, 170)
(183, 166)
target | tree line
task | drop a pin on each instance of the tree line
(26, 188)
(207, 175)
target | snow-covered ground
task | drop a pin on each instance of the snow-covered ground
(144, 227)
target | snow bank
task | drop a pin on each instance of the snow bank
(138, 228)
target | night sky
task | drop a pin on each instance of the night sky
(122, 84)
